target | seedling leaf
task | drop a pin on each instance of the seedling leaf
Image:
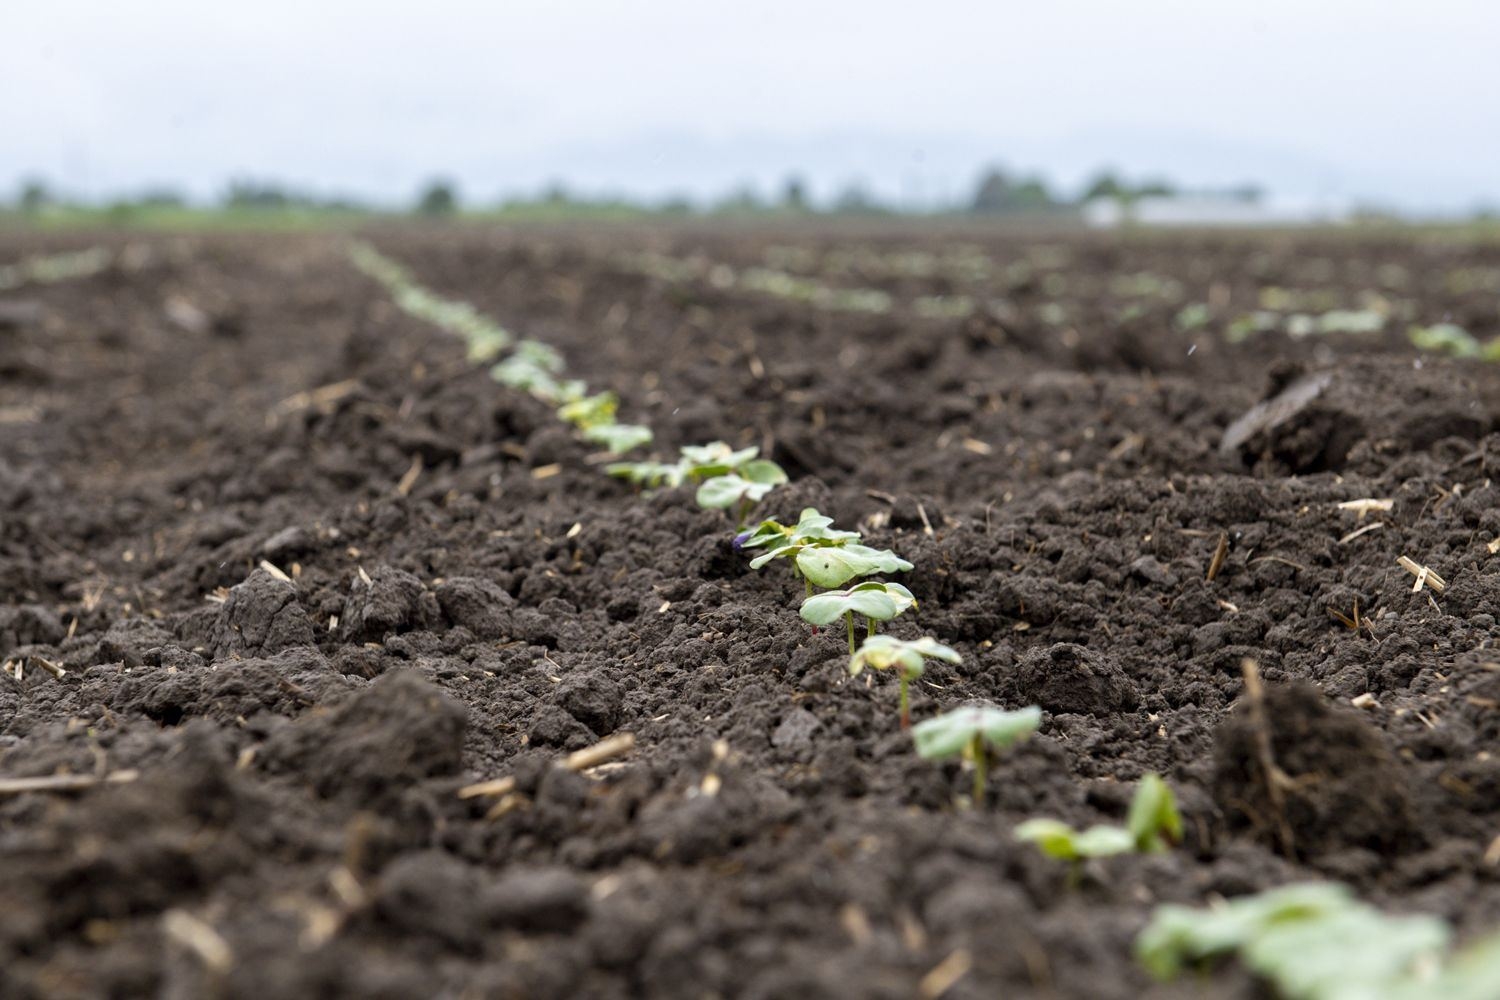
(951, 735)
(618, 438)
(1154, 821)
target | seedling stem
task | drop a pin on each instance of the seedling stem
(981, 766)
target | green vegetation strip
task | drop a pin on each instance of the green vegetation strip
(53, 268)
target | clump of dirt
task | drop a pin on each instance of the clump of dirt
(1344, 787)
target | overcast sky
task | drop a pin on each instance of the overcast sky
(1396, 102)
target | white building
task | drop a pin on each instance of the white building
(1207, 210)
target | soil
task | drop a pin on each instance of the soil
(456, 593)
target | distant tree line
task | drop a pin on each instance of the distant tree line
(996, 193)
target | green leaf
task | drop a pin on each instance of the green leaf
(1472, 974)
(1355, 952)
(540, 355)
(884, 652)
(834, 566)
(780, 552)
(1447, 338)
(949, 734)
(1057, 839)
(822, 609)
(645, 473)
(728, 490)
(1181, 935)
(618, 438)
(591, 411)
(1154, 821)
(762, 471)
(767, 532)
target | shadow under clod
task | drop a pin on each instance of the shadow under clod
(1341, 787)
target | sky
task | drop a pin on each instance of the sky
(1394, 103)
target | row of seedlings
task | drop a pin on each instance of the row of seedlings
(832, 563)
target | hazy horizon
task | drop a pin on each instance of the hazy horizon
(1335, 104)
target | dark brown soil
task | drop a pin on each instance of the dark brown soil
(1054, 464)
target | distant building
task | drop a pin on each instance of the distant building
(1207, 210)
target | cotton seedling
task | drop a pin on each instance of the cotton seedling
(1316, 941)
(971, 733)
(701, 463)
(822, 555)
(597, 410)
(618, 438)
(907, 657)
(648, 474)
(1445, 338)
(742, 489)
(726, 477)
(877, 600)
(1151, 827)
(794, 542)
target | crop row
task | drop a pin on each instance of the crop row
(1310, 941)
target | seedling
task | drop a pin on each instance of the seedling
(647, 474)
(738, 490)
(726, 477)
(597, 410)
(907, 657)
(618, 438)
(971, 732)
(1445, 338)
(1153, 824)
(819, 553)
(811, 528)
(703, 462)
(1315, 941)
(877, 600)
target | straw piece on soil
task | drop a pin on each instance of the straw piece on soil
(602, 752)
(1425, 577)
(1372, 526)
(409, 478)
(1221, 552)
(64, 782)
(945, 975)
(198, 937)
(322, 396)
(606, 749)
(275, 570)
(497, 786)
(1368, 505)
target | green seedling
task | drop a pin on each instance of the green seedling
(971, 732)
(726, 477)
(1315, 941)
(1445, 338)
(907, 657)
(648, 474)
(812, 528)
(737, 490)
(525, 375)
(1152, 826)
(597, 410)
(876, 600)
(707, 461)
(618, 438)
(819, 553)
